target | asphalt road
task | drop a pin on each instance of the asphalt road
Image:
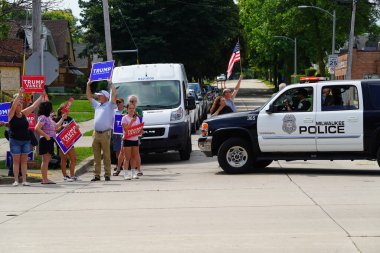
(193, 206)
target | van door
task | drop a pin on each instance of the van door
(291, 125)
(340, 118)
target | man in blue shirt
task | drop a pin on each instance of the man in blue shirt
(103, 124)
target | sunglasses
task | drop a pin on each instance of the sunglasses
(118, 102)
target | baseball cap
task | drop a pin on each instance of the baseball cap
(103, 93)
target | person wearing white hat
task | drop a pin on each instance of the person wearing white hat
(103, 123)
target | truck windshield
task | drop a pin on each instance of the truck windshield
(152, 94)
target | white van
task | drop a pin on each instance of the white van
(162, 93)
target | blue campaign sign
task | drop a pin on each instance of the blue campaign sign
(101, 71)
(4, 111)
(117, 127)
(9, 158)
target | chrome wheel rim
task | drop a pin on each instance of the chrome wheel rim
(237, 156)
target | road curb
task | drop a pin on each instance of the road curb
(84, 166)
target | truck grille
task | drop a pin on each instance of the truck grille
(153, 132)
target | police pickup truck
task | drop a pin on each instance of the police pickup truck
(333, 120)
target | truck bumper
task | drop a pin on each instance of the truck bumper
(175, 140)
(204, 144)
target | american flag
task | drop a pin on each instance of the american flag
(235, 57)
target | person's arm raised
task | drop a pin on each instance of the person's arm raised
(114, 92)
(237, 87)
(35, 104)
(88, 90)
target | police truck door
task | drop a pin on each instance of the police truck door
(290, 124)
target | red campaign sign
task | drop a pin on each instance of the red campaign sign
(66, 108)
(133, 131)
(33, 84)
(69, 134)
(32, 121)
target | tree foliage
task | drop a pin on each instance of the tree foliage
(262, 20)
(199, 34)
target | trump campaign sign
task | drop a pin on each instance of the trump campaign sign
(68, 137)
(32, 121)
(66, 108)
(101, 71)
(133, 131)
(117, 127)
(4, 111)
(33, 84)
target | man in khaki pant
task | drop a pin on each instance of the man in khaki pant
(103, 124)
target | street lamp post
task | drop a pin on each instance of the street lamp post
(295, 50)
(333, 15)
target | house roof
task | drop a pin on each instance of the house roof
(60, 30)
(11, 50)
(80, 62)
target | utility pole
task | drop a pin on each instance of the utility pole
(107, 30)
(351, 41)
(36, 29)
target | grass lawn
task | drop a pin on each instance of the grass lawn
(2, 129)
(80, 110)
(88, 133)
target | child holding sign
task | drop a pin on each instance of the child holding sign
(132, 128)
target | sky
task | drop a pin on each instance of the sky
(73, 5)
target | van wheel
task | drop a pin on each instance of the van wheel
(235, 156)
(184, 154)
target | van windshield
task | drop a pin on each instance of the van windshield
(152, 94)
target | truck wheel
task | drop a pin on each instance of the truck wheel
(184, 154)
(235, 156)
(262, 164)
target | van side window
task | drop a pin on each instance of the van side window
(295, 100)
(374, 89)
(338, 98)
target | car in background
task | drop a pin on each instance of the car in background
(221, 77)
(194, 114)
(199, 100)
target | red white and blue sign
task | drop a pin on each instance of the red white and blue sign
(33, 84)
(117, 126)
(101, 71)
(9, 158)
(68, 137)
(4, 111)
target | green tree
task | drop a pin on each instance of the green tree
(261, 20)
(199, 34)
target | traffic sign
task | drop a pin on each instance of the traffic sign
(333, 61)
(51, 66)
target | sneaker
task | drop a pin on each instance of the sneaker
(15, 183)
(107, 178)
(75, 178)
(25, 184)
(140, 174)
(127, 176)
(135, 176)
(68, 179)
(95, 178)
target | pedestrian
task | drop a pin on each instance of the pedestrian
(281, 86)
(46, 128)
(130, 144)
(117, 138)
(229, 96)
(132, 99)
(103, 124)
(20, 136)
(70, 153)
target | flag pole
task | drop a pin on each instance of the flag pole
(241, 68)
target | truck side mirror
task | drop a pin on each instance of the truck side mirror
(270, 109)
(190, 103)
